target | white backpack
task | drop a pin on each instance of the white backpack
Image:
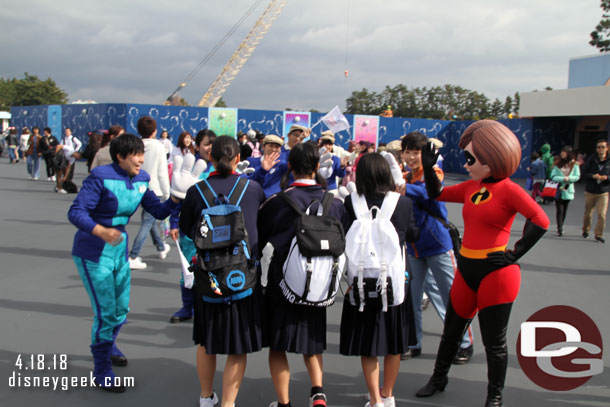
(375, 259)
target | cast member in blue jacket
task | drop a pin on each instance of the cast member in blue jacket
(431, 257)
(100, 211)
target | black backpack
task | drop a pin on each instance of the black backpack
(225, 270)
(315, 262)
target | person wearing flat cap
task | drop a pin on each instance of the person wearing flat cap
(270, 167)
(296, 135)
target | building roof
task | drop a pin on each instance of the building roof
(588, 101)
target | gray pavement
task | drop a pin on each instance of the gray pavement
(44, 309)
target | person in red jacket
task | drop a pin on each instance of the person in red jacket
(488, 276)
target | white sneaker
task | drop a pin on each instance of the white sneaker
(49, 179)
(209, 401)
(386, 401)
(53, 178)
(35, 178)
(163, 253)
(368, 404)
(62, 191)
(136, 264)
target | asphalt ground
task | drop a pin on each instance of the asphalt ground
(44, 310)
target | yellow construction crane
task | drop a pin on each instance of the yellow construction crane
(239, 57)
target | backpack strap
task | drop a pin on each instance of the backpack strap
(327, 202)
(361, 209)
(207, 193)
(238, 191)
(333, 279)
(389, 205)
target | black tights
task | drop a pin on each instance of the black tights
(562, 209)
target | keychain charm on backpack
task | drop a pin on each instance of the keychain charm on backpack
(204, 229)
(214, 284)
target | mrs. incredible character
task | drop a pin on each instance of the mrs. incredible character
(488, 276)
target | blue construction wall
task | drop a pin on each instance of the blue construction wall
(85, 118)
(556, 131)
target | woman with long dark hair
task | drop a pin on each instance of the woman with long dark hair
(565, 172)
(373, 332)
(231, 328)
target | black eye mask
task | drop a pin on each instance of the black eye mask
(470, 159)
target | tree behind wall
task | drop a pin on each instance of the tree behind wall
(600, 38)
(30, 91)
(447, 102)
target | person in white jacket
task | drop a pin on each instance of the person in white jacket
(155, 164)
(68, 146)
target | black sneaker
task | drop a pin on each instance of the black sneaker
(585, 235)
(411, 353)
(463, 356)
(600, 239)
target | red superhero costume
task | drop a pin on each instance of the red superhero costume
(488, 277)
(489, 211)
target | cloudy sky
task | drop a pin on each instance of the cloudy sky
(139, 51)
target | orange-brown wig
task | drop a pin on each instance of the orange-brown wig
(494, 145)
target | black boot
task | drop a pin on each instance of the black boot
(453, 332)
(494, 322)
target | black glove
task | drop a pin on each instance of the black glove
(429, 157)
(502, 259)
(531, 234)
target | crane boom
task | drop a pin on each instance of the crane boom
(243, 52)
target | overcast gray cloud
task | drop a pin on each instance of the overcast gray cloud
(139, 51)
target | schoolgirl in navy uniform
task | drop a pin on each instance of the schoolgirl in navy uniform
(374, 333)
(293, 328)
(233, 329)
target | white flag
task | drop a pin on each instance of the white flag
(189, 277)
(335, 120)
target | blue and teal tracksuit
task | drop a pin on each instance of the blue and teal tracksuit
(109, 196)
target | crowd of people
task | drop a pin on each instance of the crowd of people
(553, 178)
(272, 184)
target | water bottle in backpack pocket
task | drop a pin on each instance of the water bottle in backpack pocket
(312, 271)
(376, 267)
(225, 270)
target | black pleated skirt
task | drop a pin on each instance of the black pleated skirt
(229, 329)
(373, 332)
(293, 328)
